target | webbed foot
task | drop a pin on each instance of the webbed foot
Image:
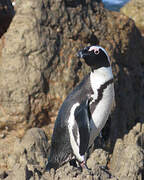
(83, 165)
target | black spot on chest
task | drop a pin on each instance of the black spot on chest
(100, 95)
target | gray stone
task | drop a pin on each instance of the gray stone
(128, 156)
(97, 163)
(31, 150)
(38, 64)
(67, 172)
(98, 157)
(30, 156)
(20, 173)
(127, 159)
(12, 160)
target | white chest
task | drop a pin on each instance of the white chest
(103, 108)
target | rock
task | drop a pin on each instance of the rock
(20, 173)
(100, 157)
(126, 163)
(6, 15)
(39, 67)
(128, 156)
(96, 163)
(135, 10)
(31, 154)
(2, 161)
(32, 150)
(129, 163)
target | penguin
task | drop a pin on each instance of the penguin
(84, 112)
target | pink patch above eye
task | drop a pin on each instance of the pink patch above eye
(95, 49)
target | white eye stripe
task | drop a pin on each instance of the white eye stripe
(96, 50)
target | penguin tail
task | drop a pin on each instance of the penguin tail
(50, 166)
(50, 170)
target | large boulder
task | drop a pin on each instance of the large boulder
(30, 155)
(38, 65)
(32, 149)
(135, 10)
(128, 156)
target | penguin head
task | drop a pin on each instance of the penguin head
(95, 57)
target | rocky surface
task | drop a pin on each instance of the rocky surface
(6, 15)
(29, 155)
(38, 68)
(127, 161)
(32, 149)
(39, 65)
(135, 10)
(29, 158)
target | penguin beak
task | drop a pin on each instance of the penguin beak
(83, 53)
(80, 54)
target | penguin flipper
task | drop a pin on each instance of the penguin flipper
(82, 118)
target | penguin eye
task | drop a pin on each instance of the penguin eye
(97, 51)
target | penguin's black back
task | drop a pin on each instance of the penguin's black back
(61, 150)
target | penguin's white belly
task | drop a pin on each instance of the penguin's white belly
(101, 113)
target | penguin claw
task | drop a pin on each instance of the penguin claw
(51, 171)
(73, 163)
(83, 165)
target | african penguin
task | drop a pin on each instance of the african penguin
(84, 112)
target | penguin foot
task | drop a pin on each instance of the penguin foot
(47, 168)
(83, 165)
(51, 171)
(73, 163)
(75, 167)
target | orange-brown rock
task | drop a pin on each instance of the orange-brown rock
(38, 64)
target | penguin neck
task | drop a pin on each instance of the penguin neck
(100, 76)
